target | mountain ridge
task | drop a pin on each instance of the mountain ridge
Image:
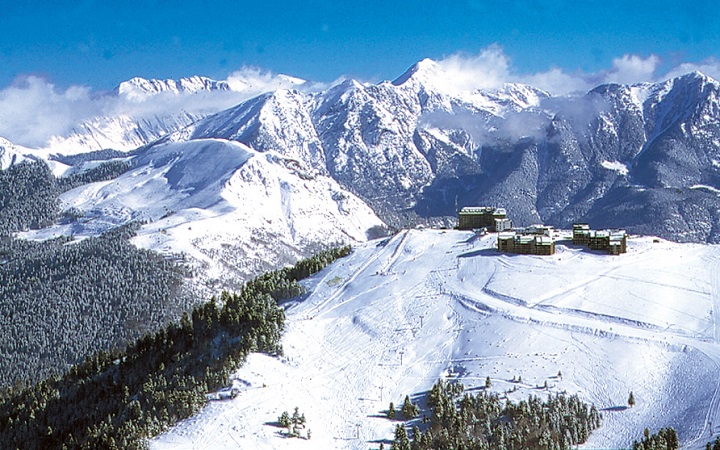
(409, 149)
(415, 148)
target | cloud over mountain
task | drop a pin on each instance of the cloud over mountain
(34, 109)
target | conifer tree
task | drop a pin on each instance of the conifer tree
(401, 442)
(409, 410)
(631, 401)
(284, 419)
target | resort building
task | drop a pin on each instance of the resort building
(611, 241)
(526, 243)
(490, 218)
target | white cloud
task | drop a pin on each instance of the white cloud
(491, 68)
(254, 80)
(709, 66)
(33, 110)
(557, 82)
(486, 70)
(633, 69)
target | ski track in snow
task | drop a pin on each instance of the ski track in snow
(398, 314)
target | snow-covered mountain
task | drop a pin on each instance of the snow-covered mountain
(139, 111)
(118, 132)
(140, 88)
(643, 157)
(380, 141)
(233, 211)
(398, 314)
(9, 154)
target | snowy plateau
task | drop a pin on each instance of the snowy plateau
(241, 187)
(402, 312)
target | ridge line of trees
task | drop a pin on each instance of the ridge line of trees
(29, 192)
(116, 399)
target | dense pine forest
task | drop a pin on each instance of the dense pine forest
(664, 439)
(463, 421)
(61, 300)
(29, 192)
(115, 399)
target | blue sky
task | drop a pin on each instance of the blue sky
(100, 43)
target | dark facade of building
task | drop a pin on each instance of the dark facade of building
(526, 244)
(611, 241)
(493, 219)
(581, 234)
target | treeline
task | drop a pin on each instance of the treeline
(713, 445)
(61, 300)
(117, 399)
(283, 283)
(486, 422)
(103, 172)
(29, 192)
(664, 439)
(28, 197)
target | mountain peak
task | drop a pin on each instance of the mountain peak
(422, 71)
(139, 88)
(695, 78)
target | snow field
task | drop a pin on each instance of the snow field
(399, 313)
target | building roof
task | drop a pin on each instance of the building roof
(482, 210)
(543, 240)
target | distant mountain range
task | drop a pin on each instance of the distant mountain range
(645, 157)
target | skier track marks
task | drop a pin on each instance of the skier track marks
(712, 418)
(396, 254)
(358, 271)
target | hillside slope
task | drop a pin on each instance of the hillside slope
(400, 313)
(235, 212)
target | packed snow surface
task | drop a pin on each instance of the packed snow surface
(400, 313)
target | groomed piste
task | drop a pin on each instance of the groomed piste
(400, 313)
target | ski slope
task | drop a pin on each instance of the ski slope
(399, 313)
